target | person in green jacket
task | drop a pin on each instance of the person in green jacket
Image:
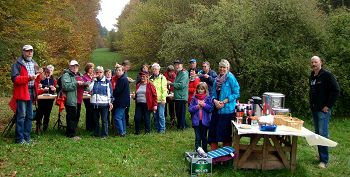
(70, 85)
(160, 82)
(180, 93)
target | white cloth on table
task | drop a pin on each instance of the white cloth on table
(311, 138)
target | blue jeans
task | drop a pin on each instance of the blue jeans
(24, 116)
(103, 113)
(119, 120)
(321, 121)
(160, 118)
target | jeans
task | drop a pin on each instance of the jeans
(103, 113)
(321, 121)
(160, 118)
(180, 110)
(24, 116)
(119, 119)
(141, 111)
(201, 132)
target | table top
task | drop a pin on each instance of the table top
(47, 97)
(311, 137)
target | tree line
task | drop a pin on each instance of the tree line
(59, 30)
(269, 43)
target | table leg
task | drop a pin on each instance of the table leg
(250, 149)
(293, 154)
(282, 155)
(236, 139)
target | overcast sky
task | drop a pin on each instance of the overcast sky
(110, 10)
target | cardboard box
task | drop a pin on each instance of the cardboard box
(198, 164)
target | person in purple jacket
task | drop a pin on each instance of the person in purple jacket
(200, 109)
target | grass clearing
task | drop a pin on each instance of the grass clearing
(53, 154)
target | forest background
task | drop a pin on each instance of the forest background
(269, 43)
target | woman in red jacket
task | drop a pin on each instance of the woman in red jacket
(192, 84)
(146, 102)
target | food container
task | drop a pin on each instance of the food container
(272, 100)
(268, 128)
(280, 111)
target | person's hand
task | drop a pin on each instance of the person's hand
(46, 88)
(169, 82)
(40, 85)
(201, 103)
(206, 76)
(163, 102)
(33, 77)
(325, 109)
(53, 88)
(80, 82)
(155, 109)
(110, 106)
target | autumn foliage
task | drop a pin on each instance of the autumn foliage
(59, 30)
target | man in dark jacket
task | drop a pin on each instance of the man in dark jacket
(208, 76)
(121, 94)
(324, 90)
(23, 74)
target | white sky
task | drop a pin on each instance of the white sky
(110, 10)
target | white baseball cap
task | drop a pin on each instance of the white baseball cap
(27, 47)
(73, 62)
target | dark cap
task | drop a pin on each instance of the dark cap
(179, 61)
(193, 60)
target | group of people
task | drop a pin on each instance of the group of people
(210, 98)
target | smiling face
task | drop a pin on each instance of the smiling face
(205, 67)
(144, 78)
(223, 70)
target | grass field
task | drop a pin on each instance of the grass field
(103, 57)
(52, 154)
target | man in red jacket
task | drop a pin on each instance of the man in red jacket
(23, 74)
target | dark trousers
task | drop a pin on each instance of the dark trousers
(72, 120)
(201, 132)
(170, 105)
(141, 111)
(103, 113)
(44, 110)
(89, 122)
(180, 110)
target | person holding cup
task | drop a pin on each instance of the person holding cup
(47, 85)
(73, 86)
(88, 77)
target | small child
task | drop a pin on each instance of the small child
(200, 109)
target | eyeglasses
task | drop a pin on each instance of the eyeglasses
(98, 72)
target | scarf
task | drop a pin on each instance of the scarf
(220, 79)
(201, 96)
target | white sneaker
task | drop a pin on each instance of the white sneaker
(76, 138)
(322, 165)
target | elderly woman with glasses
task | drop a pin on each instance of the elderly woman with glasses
(225, 92)
(101, 101)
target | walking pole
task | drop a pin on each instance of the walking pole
(9, 126)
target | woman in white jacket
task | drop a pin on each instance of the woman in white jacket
(101, 101)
